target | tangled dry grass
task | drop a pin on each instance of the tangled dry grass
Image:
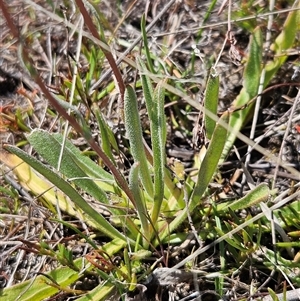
(185, 40)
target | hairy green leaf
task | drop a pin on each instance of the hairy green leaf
(134, 132)
(211, 99)
(100, 222)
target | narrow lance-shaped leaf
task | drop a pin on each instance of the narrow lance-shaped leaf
(40, 289)
(104, 291)
(206, 172)
(158, 137)
(102, 224)
(283, 42)
(38, 185)
(155, 108)
(250, 88)
(134, 132)
(140, 203)
(255, 196)
(148, 90)
(92, 66)
(98, 176)
(210, 162)
(92, 169)
(49, 148)
(107, 139)
(254, 64)
(211, 99)
(233, 241)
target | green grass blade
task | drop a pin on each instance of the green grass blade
(273, 295)
(134, 132)
(234, 241)
(107, 137)
(145, 40)
(77, 231)
(92, 66)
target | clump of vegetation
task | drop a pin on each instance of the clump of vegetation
(142, 221)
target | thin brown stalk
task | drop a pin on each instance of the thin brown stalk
(118, 176)
(89, 23)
